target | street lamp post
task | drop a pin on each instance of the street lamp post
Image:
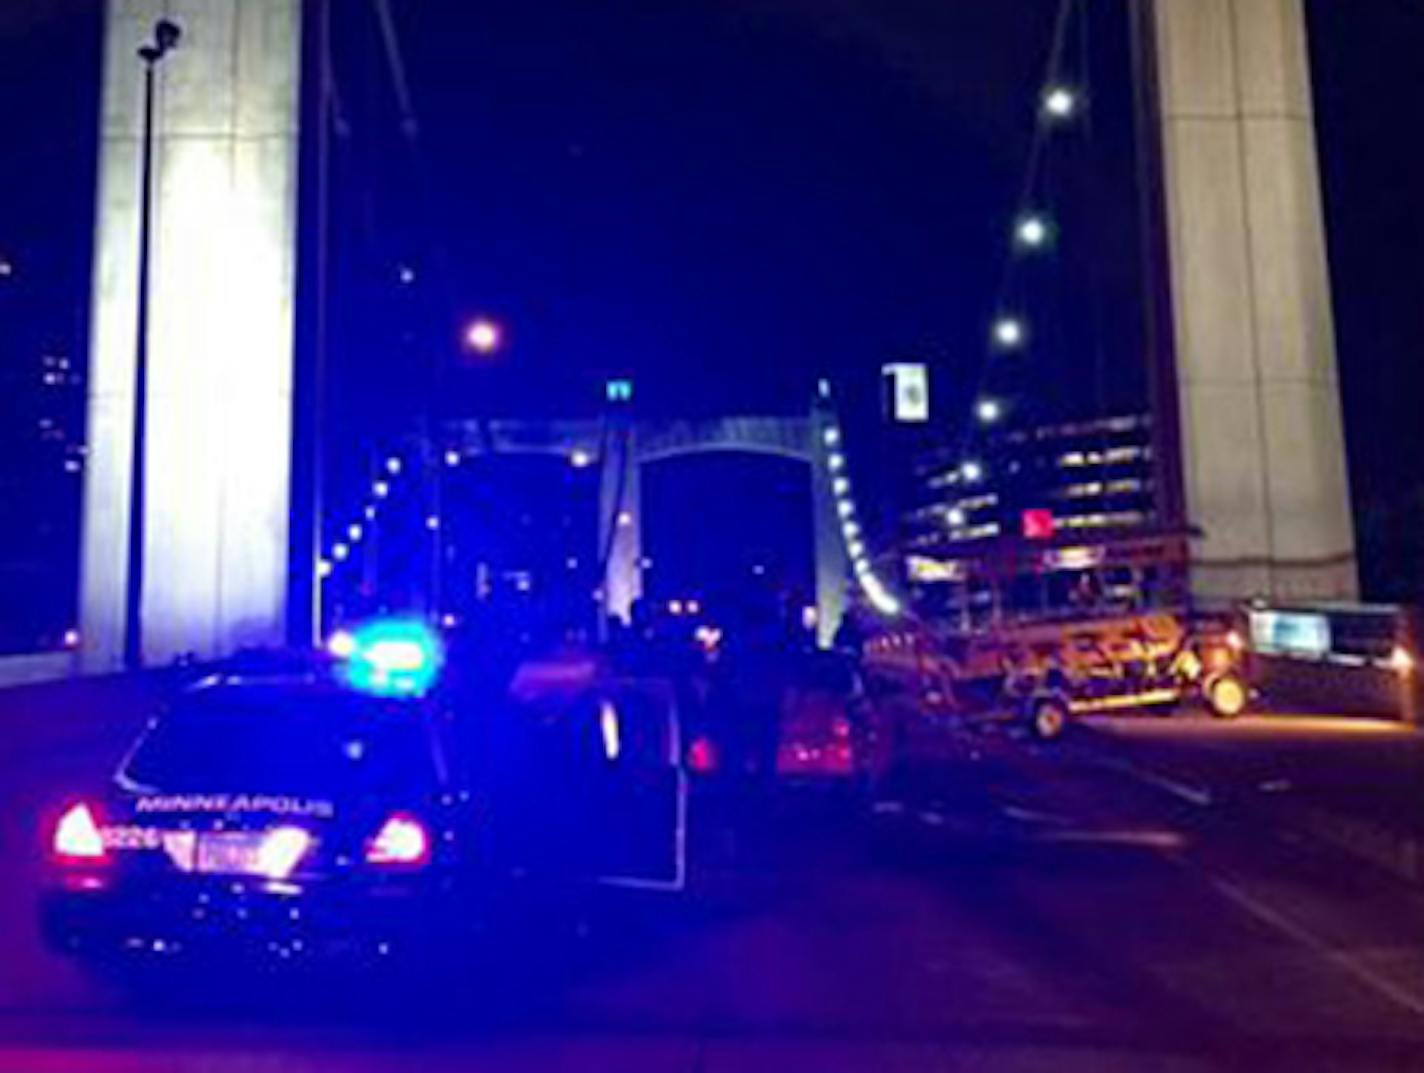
(165, 39)
(484, 337)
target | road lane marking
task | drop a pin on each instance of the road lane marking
(1147, 838)
(1199, 796)
(1341, 959)
(1024, 815)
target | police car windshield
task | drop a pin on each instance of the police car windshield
(283, 740)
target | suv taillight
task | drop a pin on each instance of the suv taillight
(77, 838)
(402, 842)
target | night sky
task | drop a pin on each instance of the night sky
(729, 198)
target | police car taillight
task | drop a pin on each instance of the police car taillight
(282, 849)
(77, 838)
(702, 757)
(402, 842)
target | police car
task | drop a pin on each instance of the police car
(357, 810)
(278, 812)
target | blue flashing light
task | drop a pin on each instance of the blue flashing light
(394, 658)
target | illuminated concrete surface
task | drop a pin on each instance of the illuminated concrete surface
(620, 521)
(1264, 452)
(1278, 728)
(220, 374)
(1350, 782)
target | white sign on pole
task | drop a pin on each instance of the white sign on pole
(910, 392)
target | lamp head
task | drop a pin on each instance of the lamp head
(167, 34)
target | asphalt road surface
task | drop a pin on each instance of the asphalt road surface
(1006, 907)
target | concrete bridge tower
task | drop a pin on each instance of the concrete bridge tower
(219, 427)
(1257, 396)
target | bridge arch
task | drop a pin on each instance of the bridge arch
(623, 444)
(785, 437)
(798, 438)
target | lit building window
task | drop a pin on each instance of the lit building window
(1103, 520)
(980, 502)
(1123, 454)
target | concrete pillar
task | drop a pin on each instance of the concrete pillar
(220, 373)
(620, 522)
(832, 564)
(1263, 447)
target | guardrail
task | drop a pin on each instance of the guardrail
(29, 668)
(1352, 658)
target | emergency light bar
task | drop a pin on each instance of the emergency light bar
(389, 657)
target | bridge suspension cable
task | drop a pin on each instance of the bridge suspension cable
(1063, 104)
(832, 445)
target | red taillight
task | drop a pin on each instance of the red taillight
(402, 842)
(77, 838)
(702, 757)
